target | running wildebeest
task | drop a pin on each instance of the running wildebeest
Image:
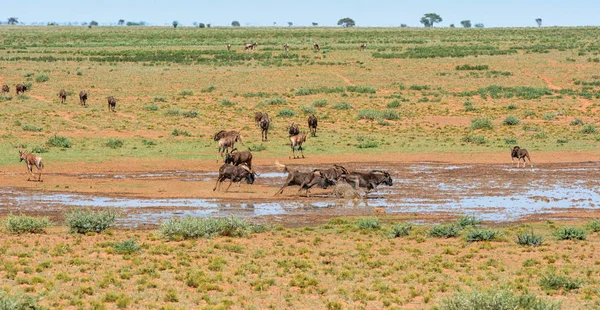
(312, 124)
(62, 94)
(294, 130)
(250, 46)
(234, 174)
(21, 88)
(306, 180)
(297, 140)
(369, 180)
(519, 154)
(83, 98)
(363, 47)
(264, 123)
(32, 160)
(5, 89)
(237, 158)
(316, 46)
(229, 47)
(286, 47)
(112, 104)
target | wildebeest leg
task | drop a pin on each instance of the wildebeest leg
(230, 182)
(287, 183)
(219, 180)
(30, 169)
(301, 151)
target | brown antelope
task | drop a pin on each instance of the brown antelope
(363, 47)
(83, 98)
(312, 124)
(297, 140)
(229, 47)
(250, 46)
(62, 94)
(112, 104)
(226, 143)
(5, 89)
(519, 154)
(264, 123)
(316, 46)
(286, 47)
(32, 160)
(21, 88)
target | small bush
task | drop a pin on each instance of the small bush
(31, 128)
(179, 132)
(42, 78)
(368, 145)
(511, 121)
(594, 225)
(400, 230)
(529, 239)
(469, 106)
(59, 141)
(5, 98)
(510, 141)
(369, 114)
(39, 150)
(190, 114)
(19, 224)
(419, 87)
(444, 231)
(151, 107)
(227, 103)
(577, 122)
(511, 106)
(588, 129)
(369, 223)
(286, 113)
(148, 142)
(390, 115)
(17, 302)
(570, 233)
(114, 143)
(467, 220)
(186, 92)
(79, 73)
(473, 139)
(361, 89)
(393, 104)
(82, 221)
(126, 247)
(193, 228)
(552, 281)
(474, 67)
(173, 112)
(481, 123)
(496, 300)
(320, 103)
(160, 99)
(480, 235)
(209, 89)
(22, 97)
(549, 116)
(562, 140)
(257, 148)
(342, 106)
(308, 110)
(275, 101)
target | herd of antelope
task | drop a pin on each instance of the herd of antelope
(286, 47)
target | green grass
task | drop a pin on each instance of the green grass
(552, 281)
(320, 103)
(286, 113)
(342, 106)
(588, 129)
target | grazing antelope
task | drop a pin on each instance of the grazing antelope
(312, 124)
(250, 46)
(226, 143)
(229, 47)
(294, 130)
(316, 46)
(32, 160)
(62, 94)
(83, 98)
(264, 123)
(21, 88)
(519, 154)
(363, 47)
(5, 89)
(297, 140)
(112, 104)
(286, 47)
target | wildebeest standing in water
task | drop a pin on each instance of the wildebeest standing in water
(5, 89)
(306, 180)
(112, 104)
(264, 123)
(21, 88)
(83, 98)
(297, 140)
(62, 94)
(32, 160)
(312, 124)
(519, 154)
(234, 174)
(369, 180)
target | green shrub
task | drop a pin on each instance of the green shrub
(588, 129)
(126, 247)
(570, 233)
(5, 98)
(368, 144)
(594, 225)
(114, 143)
(79, 73)
(444, 231)
(577, 122)
(390, 115)
(39, 150)
(342, 106)
(193, 228)
(151, 107)
(529, 239)
(549, 116)
(179, 132)
(480, 235)
(227, 103)
(419, 87)
(18, 302)
(173, 112)
(369, 223)
(59, 141)
(42, 78)
(467, 220)
(320, 103)
(369, 114)
(286, 113)
(393, 104)
(469, 106)
(275, 101)
(31, 128)
(400, 230)
(552, 281)
(510, 141)
(186, 92)
(19, 224)
(160, 99)
(481, 123)
(474, 67)
(308, 110)
(541, 135)
(473, 139)
(562, 140)
(257, 148)
(190, 114)
(361, 89)
(495, 299)
(511, 106)
(209, 89)
(82, 221)
(511, 121)
(22, 97)
(148, 142)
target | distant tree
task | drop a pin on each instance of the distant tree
(93, 23)
(235, 23)
(201, 25)
(207, 25)
(480, 25)
(175, 24)
(84, 23)
(346, 22)
(451, 25)
(403, 25)
(429, 19)
(195, 24)
(13, 20)
(315, 24)
(466, 23)
(290, 24)
(121, 22)
(539, 22)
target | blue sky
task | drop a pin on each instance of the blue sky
(366, 13)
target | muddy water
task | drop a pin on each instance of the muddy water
(491, 192)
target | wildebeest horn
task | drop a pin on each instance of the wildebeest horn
(378, 172)
(280, 166)
(246, 168)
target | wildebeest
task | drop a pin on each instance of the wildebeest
(306, 180)
(294, 129)
(316, 46)
(519, 154)
(250, 46)
(5, 89)
(62, 94)
(343, 189)
(335, 173)
(32, 160)
(229, 47)
(363, 47)
(286, 47)
(369, 180)
(257, 117)
(264, 123)
(225, 133)
(234, 174)
(312, 124)
(237, 158)
(227, 142)
(21, 88)
(297, 140)
(83, 98)
(112, 104)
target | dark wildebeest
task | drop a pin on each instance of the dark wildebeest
(237, 158)
(32, 160)
(229, 47)
(112, 104)
(234, 174)
(294, 130)
(312, 124)
(62, 94)
(363, 47)
(306, 180)
(316, 46)
(297, 140)
(519, 154)
(369, 180)
(257, 117)
(250, 46)
(5, 89)
(21, 88)
(83, 98)
(286, 47)
(264, 123)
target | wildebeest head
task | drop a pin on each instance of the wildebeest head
(250, 175)
(228, 158)
(386, 178)
(515, 151)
